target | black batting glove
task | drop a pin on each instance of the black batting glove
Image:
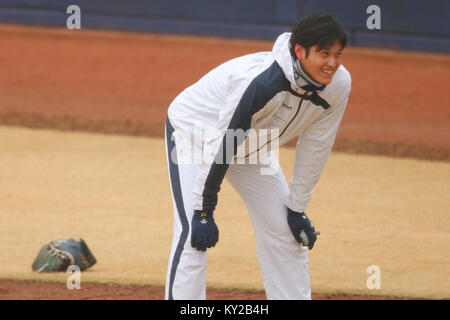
(205, 233)
(302, 228)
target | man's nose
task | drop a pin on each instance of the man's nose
(331, 62)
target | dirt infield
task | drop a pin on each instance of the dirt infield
(113, 191)
(123, 83)
(113, 82)
(39, 290)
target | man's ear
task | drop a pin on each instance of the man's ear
(300, 52)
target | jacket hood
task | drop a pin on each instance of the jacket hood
(283, 56)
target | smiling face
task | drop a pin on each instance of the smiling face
(320, 64)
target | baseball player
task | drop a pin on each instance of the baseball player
(297, 90)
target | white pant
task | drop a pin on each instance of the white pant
(283, 261)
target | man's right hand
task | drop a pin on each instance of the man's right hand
(301, 226)
(205, 233)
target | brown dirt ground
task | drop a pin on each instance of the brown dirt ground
(122, 83)
(39, 290)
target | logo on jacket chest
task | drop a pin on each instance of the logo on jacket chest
(281, 116)
(285, 105)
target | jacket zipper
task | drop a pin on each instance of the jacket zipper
(295, 115)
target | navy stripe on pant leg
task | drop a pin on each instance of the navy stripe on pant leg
(178, 196)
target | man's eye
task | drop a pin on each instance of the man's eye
(324, 53)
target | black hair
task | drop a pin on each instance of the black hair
(318, 29)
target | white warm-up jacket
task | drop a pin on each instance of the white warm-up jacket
(258, 91)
